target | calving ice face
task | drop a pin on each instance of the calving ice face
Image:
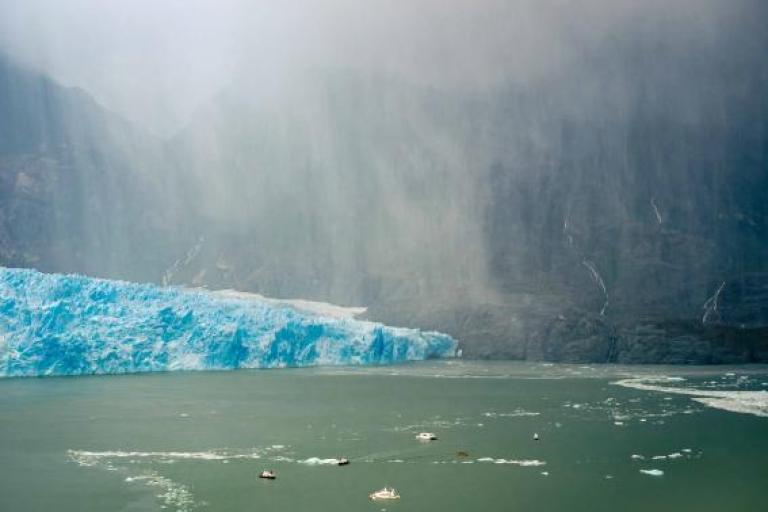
(54, 324)
(566, 189)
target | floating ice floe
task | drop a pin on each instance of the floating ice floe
(746, 402)
(669, 456)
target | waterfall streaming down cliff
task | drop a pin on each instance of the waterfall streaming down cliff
(53, 324)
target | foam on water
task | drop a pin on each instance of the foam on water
(53, 324)
(746, 402)
(89, 458)
(120, 460)
(173, 495)
(316, 461)
(523, 462)
(435, 424)
(514, 414)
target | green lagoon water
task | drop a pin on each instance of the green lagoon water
(196, 441)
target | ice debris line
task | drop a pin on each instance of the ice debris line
(52, 324)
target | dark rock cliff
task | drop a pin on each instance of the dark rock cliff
(615, 212)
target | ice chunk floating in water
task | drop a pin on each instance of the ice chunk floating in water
(746, 402)
(54, 324)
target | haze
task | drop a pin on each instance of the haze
(541, 179)
(155, 62)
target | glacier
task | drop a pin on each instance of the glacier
(54, 324)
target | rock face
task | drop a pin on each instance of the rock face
(79, 186)
(615, 210)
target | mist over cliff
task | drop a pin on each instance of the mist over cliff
(543, 180)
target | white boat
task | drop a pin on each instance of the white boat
(426, 436)
(267, 475)
(535, 437)
(386, 493)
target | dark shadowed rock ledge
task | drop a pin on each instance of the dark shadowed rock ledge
(530, 333)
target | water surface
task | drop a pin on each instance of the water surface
(196, 441)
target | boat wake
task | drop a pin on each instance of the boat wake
(173, 495)
(86, 458)
(523, 462)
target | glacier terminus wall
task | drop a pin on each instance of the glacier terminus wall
(53, 324)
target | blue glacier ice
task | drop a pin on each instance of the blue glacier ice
(52, 324)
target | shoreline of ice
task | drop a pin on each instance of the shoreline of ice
(744, 402)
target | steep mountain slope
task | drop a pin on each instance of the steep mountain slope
(80, 188)
(616, 219)
(613, 210)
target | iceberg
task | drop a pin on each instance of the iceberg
(54, 324)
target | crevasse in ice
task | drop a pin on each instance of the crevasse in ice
(52, 324)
